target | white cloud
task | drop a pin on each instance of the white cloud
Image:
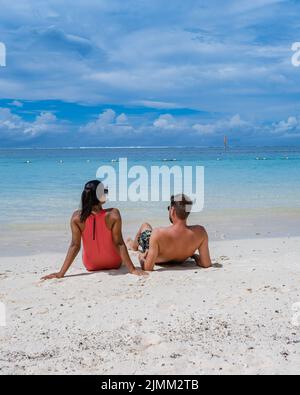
(236, 122)
(17, 103)
(201, 57)
(109, 126)
(108, 122)
(12, 125)
(46, 122)
(291, 126)
(201, 129)
(106, 118)
(122, 119)
(166, 121)
(222, 126)
(157, 104)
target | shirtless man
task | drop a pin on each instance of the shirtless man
(176, 243)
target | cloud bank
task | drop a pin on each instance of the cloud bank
(218, 58)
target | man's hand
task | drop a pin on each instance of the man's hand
(139, 272)
(52, 276)
(199, 262)
(197, 259)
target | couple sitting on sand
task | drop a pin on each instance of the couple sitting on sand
(100, 232)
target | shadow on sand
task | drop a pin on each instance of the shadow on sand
(120, 272)
(188, 265)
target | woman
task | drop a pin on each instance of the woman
(101, 234)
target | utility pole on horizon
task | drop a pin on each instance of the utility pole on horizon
(225, 143)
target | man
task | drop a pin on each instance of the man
(176, 243)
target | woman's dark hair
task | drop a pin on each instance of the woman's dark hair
(89, 199)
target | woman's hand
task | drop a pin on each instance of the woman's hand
(52, 276)
(73, 249)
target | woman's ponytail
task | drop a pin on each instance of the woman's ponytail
(89, 199)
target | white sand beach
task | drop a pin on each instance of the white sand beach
(181, 112)
(236, 318)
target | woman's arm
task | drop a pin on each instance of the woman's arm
(73, 249)
(120, 244)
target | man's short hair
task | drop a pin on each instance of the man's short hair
(182, 205)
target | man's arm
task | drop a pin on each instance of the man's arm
(204, 260)
(153, 253)
(120, 244)
(72, 252)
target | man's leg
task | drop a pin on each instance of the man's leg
(134, 244)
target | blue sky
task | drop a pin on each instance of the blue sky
(136, 72)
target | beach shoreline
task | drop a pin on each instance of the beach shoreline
(50, 237)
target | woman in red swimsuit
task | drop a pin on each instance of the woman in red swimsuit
(100, 232)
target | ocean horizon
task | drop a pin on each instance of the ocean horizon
(219, 147)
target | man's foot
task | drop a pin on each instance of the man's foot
(196, 258)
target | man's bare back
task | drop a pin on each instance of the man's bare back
(176, 243)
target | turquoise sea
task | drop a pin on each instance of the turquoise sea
(44, 185)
